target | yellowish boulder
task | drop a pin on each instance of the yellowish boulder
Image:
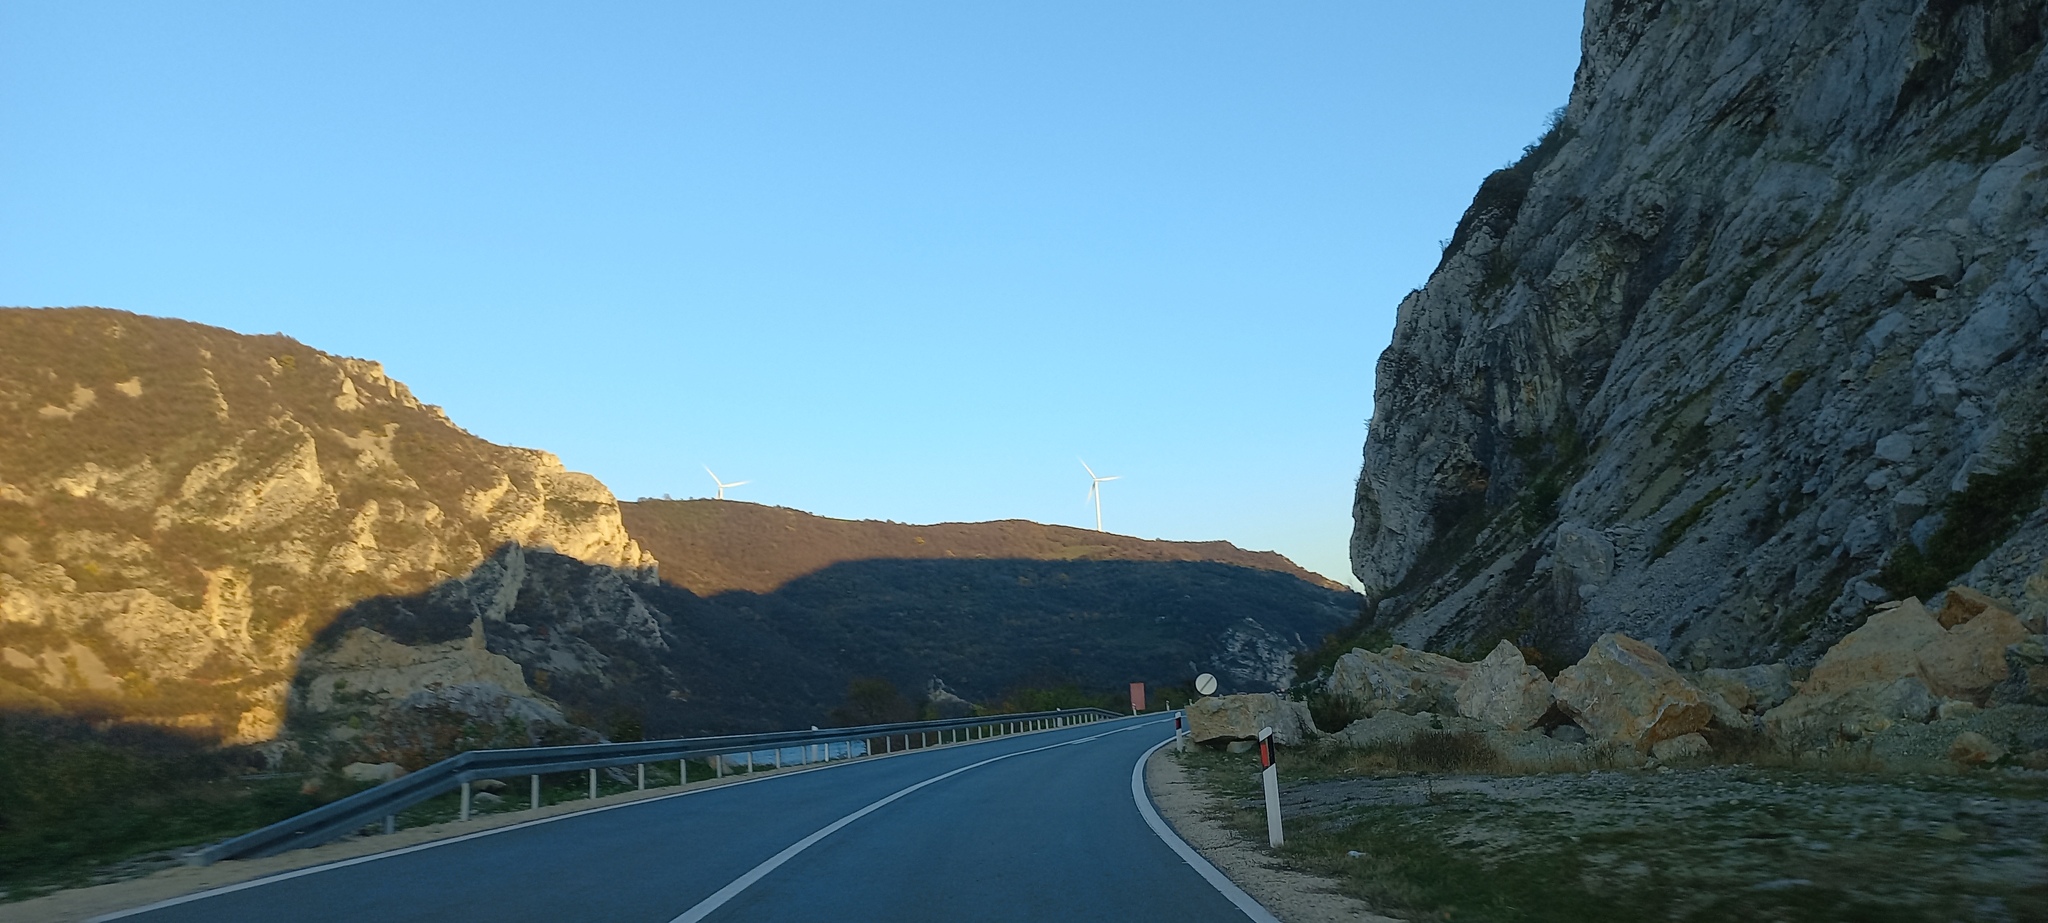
(1625, 691)
(1969, 659)
(1887, 647)
(1964, 604)
(1973, 749)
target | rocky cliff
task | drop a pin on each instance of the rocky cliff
(184, 509)
(1750, 341)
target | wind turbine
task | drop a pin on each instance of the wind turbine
(721, 484)
(1095, 491)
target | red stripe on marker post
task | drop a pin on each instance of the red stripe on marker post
(1269, 771)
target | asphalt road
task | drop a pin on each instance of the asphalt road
(1030, 827)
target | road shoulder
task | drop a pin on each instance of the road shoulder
(1292, 896)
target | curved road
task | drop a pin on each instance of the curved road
(1042, 826)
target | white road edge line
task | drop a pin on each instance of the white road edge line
(1209, 873)
(359, 860)
(719, 898)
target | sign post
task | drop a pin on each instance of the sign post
(1269, 771)
(1137, 698)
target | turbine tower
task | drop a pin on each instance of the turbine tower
(721, 484)
(1095, 491)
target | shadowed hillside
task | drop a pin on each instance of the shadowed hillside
(710, 546)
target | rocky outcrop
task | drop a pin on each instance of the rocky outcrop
(1223, 718)
(184, 509)
(1901, 665)
(1737, 348)
(1624, 691)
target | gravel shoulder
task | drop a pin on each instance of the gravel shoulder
(1291, 895)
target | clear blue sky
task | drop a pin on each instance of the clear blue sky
(886, 260)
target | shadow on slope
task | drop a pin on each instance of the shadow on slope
(622, 657)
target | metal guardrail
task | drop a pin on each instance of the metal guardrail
(364, 808)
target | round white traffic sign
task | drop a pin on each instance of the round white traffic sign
(1206, 684)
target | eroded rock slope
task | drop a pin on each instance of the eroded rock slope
(1752, 340)
(183, 509)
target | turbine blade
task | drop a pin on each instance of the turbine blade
(738, 483)
(714, 474)
(1110, 478)
(1084, 467)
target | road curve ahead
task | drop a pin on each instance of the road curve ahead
(1030, 827)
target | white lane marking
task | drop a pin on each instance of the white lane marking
(710, 904)
(1216, 879)
(359, 860)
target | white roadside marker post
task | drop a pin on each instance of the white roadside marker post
(1179, 739)
(1269, 770)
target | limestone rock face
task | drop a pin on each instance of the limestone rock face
(1625, 691)
(184, 509)
(1505, 691)
(1220, 718)
(1398, 679)
(1726, 339)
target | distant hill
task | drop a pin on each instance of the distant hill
(990, 605)
(255, 542)
(711, 546)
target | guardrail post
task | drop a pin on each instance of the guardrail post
(643, 776)
(536, 793)
(593, 783)
(390, 824)
(778, 757)
(718, 765)
(465, 801)
(750, 762)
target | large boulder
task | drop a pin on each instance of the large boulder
(1885, 648)
(1855, 712)
(1738, 695)
(1624, 691)
(1969, 659)
(1503, 690)
(1223, 718)
(1398, 679)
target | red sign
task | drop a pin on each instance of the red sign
(1137, 696)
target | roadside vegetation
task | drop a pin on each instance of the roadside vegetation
(77, 802)
(1713, 844)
